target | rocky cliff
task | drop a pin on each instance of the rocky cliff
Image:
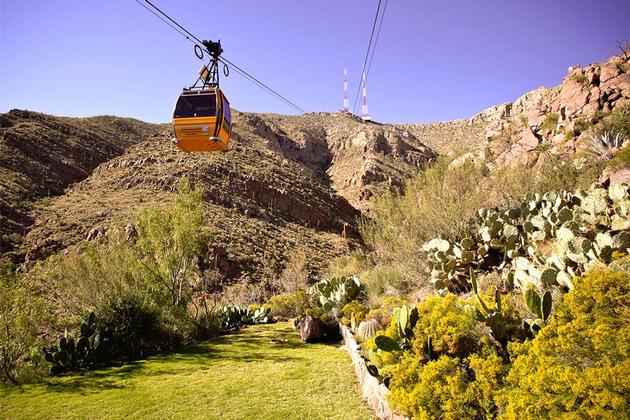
(558, 119)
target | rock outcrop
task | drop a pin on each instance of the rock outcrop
(357, 159)
(557, 119)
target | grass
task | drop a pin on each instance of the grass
(236, 376)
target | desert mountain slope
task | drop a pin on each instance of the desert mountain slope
(287, 182)
(41, 155)
(261, 205)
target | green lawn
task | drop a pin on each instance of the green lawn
(236, 376)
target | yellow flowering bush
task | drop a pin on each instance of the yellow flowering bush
(444, 327)
(447, 388)
(579, 363)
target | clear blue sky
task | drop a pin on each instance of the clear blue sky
(435, 60)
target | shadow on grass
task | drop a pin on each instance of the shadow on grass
(244, 346)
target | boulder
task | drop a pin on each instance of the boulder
(613, 177)
(310, 329)
(609, 71)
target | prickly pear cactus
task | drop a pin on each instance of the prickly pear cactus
(334, 293)
(68, 356)
(546, 240)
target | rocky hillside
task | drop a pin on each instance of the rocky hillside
(356, 159)
(446, 137)
(287, 183)
(557, 119)
(41, 155)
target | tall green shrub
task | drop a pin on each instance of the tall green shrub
(145, 288)
(21, 313)
(436, 202)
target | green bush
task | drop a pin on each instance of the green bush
(581, 125)
(550, 122)
(22, 312)
(578, 364)
(620, 160)
(511, 183)
(436, 202)
(289, 305)
(384, 280)
(146, 290)
(579, 77)
(383, 314)
(618, 121)
(451, 370)
(353, 313)
(129, 329)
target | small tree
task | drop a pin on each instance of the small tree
(624, 48)
(169, 242)
(295, 274)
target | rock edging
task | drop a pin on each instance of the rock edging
(374, 392)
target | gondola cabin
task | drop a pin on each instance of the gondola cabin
(202, 120)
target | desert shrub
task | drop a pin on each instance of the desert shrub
(348, 265)
(382, 281)
(436, 202)
(620, 160)
(511, 183)
(88, 278)
(444, 328)
(289, 305)
(506, 137)
(597, 117)
(144, 289)
(295, 274)
(169, 242)
(243, 293)
(353, 313)
(21, 314)
(558, 174)
(451, 369)
(579, 363)
(130, 330)
(550, 121)
(383, 313)
(618, 122)
(581, 125)
(579, 77)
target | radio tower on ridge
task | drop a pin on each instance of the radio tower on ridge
(346, 103)
(365, 115)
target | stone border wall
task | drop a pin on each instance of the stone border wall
(373, 391)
